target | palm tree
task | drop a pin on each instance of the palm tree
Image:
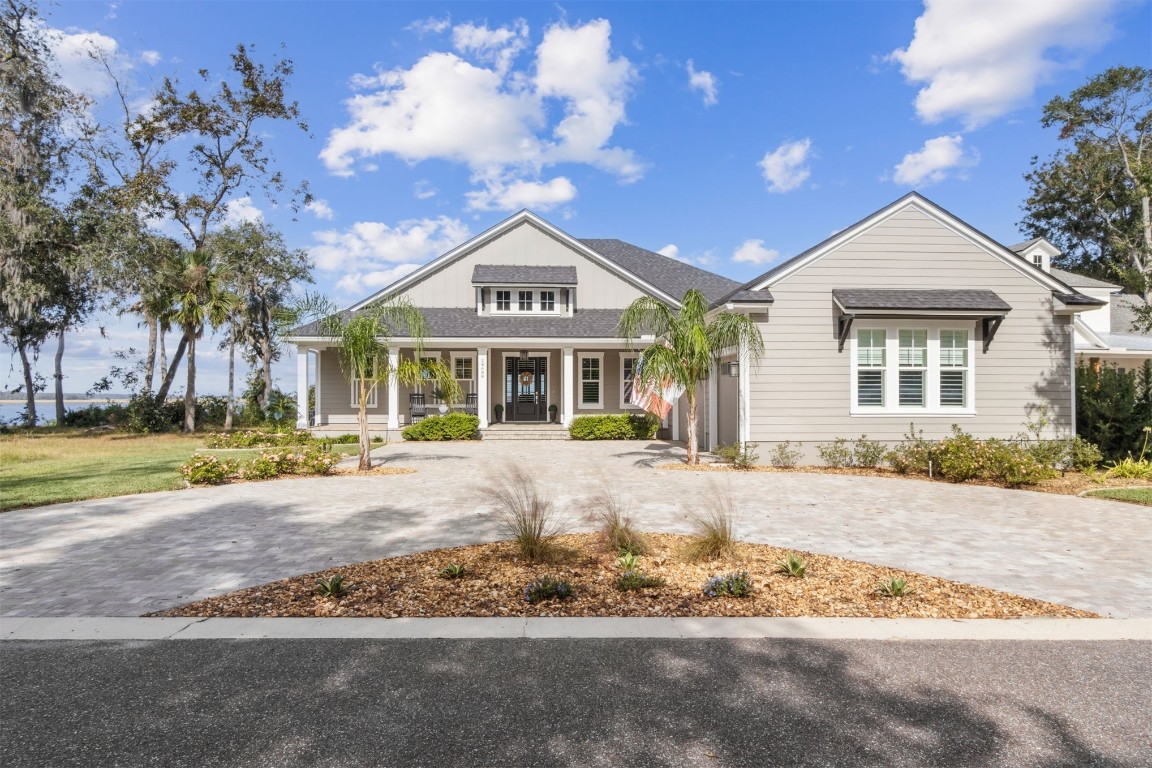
(687, 344)
(364, 339)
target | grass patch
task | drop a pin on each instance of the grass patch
(52, 466)
(1133, 495)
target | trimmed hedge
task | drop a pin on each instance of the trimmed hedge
(614, 426)
(452, 426)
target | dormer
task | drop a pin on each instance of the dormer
(1038, 252)
(510, 289)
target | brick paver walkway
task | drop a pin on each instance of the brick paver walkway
(130, 555)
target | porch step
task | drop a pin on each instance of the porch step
(524, 432)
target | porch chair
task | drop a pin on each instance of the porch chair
(416, 407)
(470, 404)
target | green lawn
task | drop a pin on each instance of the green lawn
(1134, 495)
(51, 466)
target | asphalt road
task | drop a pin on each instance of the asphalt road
(289, 703)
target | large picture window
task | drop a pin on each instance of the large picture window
(905, 368)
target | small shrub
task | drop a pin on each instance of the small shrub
(895, 587)
(868, 453)
(451, 426)
(913, 454)
(208, 470)
(1130, 469)
(785, 456)
(1048, 453)
(1012, 464)
(614, 426)
(836, 454)
(316, 461)
(547, 588)
(268, 465)
(1083, 455)
(713, 531)
(528, 518)
(628, 561)
(451, 571)
(960, 457)
(635, 579)
(613, 515)
(793, 565)
(333, 586)
(741, 456)
(735, 584)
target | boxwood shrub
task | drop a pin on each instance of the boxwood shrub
(614, 426)
(452, 426)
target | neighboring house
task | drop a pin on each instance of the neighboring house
(909, 316)
(1105, 335)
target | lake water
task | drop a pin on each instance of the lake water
(45, 410)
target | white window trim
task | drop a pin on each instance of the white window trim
(514, 300)
(373, 394)
(580, 404)
(427, 354)
(464, 355)
(625, 405)
(932, 405)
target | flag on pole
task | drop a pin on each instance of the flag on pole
(652, 397)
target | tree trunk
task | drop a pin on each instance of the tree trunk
(29, 388)
(365, 441)
(58, 374)
(266, 352)
(150, 357)
(163, 353)
(190, 389)
(231, 375)
(165, 385)
(693, 452)
(1146, 267)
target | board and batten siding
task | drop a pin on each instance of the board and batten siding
(801, 388)
(523, 245)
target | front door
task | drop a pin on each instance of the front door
(526, 388)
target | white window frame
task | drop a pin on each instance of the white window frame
(428, 354)
(540, 301)
(373, 394)
(496, 300)
(536, 306)
(464, 355)
(932, 406)
(625, 387)
(580, 358)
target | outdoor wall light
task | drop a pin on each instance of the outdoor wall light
(523, 355)
(732, 369)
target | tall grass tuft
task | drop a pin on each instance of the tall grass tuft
(713, 529)
(612, 514)
(528, 518)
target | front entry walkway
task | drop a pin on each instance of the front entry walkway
(136, 554)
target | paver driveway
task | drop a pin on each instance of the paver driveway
(134, 554)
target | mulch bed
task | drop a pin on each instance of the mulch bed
(1070, 484)
(495, 577)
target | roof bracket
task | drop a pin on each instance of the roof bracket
(989, 325)
(845, 328)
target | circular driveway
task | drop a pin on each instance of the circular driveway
(135, 554)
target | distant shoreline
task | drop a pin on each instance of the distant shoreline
(87, 400)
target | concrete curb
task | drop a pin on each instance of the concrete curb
(112, 628)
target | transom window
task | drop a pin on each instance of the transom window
(912, 369)
(503, 301)
(525, 302)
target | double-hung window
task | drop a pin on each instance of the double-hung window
(591, 380)
(901, 367)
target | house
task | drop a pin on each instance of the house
(908, 316)
(1107, 334)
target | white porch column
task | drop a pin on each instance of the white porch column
(482, 388)
(568, 386)
(676, 419)
(743, 396)
(301, 388)
(713, 406)
(393, 389)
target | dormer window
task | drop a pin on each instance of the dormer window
(525, 302)
(547, 301)
(503, 301)
(1038, 260)
(519, 289)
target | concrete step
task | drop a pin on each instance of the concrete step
(525, 434)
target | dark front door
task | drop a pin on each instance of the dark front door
(526, 388)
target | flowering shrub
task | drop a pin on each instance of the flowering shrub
(258, 438)
(735, 584)
(208, 470)
(310, 461)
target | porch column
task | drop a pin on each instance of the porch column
(713, 406)
(676, 419)
(743, 396)
(568, 386)
(482, 386)
(393, 388)
(301, 388)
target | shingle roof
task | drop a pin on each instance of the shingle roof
(1021, 247)
(510, 274)
(745, 295)
(1079, 300)
(1080, 281)
(939, 300)
(463, 322)
(671, 276)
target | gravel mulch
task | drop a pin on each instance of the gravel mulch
(495, 577)
(379, 469)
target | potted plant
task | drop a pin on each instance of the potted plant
(499, 413)
(552, 413)
(440, 395)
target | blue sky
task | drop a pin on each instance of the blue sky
(729, 135)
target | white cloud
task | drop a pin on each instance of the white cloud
(671, 250)
(241, 210)
(935, 159)
(979, 60)
(360, 283)
(151, 58)
(785, 167)
(373, 254)
(430, 26)
(538, 195)
(703, 81)
(424, 190)
(321, 210)
(754, 252)
(78, 71)
(473, 107)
